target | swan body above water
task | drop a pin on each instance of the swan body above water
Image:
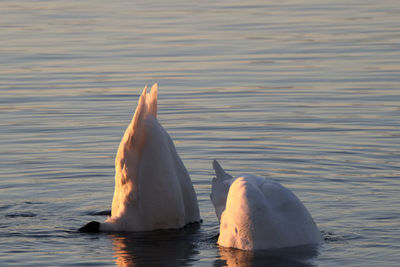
(257, 213)
(153, 189)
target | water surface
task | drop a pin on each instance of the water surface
(305, 92)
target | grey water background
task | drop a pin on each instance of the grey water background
(304, 92)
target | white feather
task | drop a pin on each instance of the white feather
(260, 214)
(153, 189)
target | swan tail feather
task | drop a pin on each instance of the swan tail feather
(220, 188)
(140, 109)
(152, 102)
(219, 172)
(147, 105)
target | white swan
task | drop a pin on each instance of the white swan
(257, 213)
(153, 189)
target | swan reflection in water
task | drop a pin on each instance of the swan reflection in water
(156, 248)
(296, 256)
(182, 248)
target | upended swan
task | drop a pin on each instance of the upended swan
(257, 213)
(153, 189)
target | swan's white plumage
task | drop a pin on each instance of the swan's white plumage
(220, 188)
(153, 189)
(259, 213)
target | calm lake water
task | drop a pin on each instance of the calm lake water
(305, 92)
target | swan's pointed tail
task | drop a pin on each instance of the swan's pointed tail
(220, 188)
(219, 172)
(151, 100)
(131, 147)
(147, 105)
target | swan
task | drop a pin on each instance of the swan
(153, 189)
(258, 213)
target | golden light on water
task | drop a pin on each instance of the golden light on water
(305, 92)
